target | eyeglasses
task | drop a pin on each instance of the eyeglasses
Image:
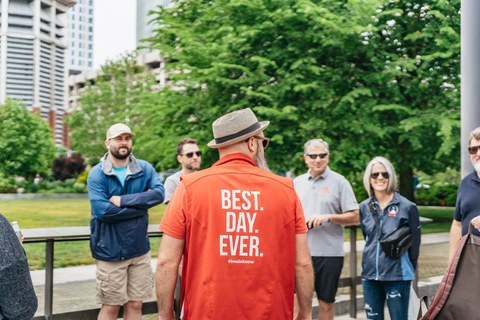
(190, 154)
(314, 156)
(376, 174)
(473, 150)
(265, 141)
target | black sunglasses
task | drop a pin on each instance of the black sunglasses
(190, 154)
(376, 174)
(473, 150)
(265, 141)
(314, 156)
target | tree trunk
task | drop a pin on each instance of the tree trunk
(406, 183)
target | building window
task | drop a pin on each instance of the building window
(90, 11)
(73, 53)
(90, 55)
(73, 62)
(90, 20)
(73, 44)
(80, 9)
(90, 29)
(80, 18)
(73, 17)
(90, 37)
(73, 34)
(90, 2)
(90, 64)
(73, 25)
(90, 46)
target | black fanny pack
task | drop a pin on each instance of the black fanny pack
(398, 242)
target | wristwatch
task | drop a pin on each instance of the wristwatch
(328, 215)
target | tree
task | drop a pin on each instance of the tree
(116, 95)
(372, 77)
(26, 144)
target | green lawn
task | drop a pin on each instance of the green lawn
(49, 213)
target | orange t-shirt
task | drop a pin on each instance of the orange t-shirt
(239, 224)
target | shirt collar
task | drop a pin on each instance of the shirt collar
(475, 176)
(323, 176)
(235, 157)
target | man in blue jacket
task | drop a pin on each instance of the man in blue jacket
(121, 189)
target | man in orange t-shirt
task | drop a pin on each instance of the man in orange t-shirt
(242, 232)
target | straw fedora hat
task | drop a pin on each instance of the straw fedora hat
(235, 127)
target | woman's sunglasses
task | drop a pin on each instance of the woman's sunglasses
(190, 154)
(375, 175)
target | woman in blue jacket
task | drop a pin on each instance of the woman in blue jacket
(383, 277)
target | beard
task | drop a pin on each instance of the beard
(120, 156)
(259, 157)
(476, 164)
(194, 167)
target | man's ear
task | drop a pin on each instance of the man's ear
(179, 157)
(107, 144)
(250, 144)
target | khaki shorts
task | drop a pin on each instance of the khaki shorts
(121, 281)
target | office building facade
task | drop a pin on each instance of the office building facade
(33, 53)
(144, 29)
(80, 21)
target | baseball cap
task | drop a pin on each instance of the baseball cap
(118, 129)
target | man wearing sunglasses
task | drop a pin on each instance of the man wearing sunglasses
(242, 233)
(467, 208)
(190, 157)
(329, 204)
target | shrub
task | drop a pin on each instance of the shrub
(444, 195)
(82, 178)
(68, 167)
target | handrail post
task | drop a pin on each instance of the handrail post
(353, 272)
(49, 279)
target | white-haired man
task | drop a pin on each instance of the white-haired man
(242, 233)
(467, 208)
(329, 204)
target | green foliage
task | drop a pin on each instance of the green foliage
(371, 77)
(117, 95)
(58, 186)
(26, 144)
(437, 195)
(7, 184)
(82, 178)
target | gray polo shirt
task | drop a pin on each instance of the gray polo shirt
(330, 193)
(170, 185)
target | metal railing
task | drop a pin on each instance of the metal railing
(52, 235)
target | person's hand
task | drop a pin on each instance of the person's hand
(476, 222)
(116, 200)
(316, 220)
(21, 237)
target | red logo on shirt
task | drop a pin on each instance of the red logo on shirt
(325, 190)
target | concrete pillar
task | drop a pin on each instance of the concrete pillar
(470, 70)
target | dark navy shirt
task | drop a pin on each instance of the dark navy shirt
(468, 202)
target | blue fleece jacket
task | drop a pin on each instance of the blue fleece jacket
(120, 233)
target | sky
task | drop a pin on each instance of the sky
(114, 29)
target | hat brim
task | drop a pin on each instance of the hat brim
(119, 134)
(263, 125)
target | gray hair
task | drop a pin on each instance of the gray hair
(315, 142)
(392, 177)
(474, 134)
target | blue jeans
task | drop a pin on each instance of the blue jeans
(396, 293)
